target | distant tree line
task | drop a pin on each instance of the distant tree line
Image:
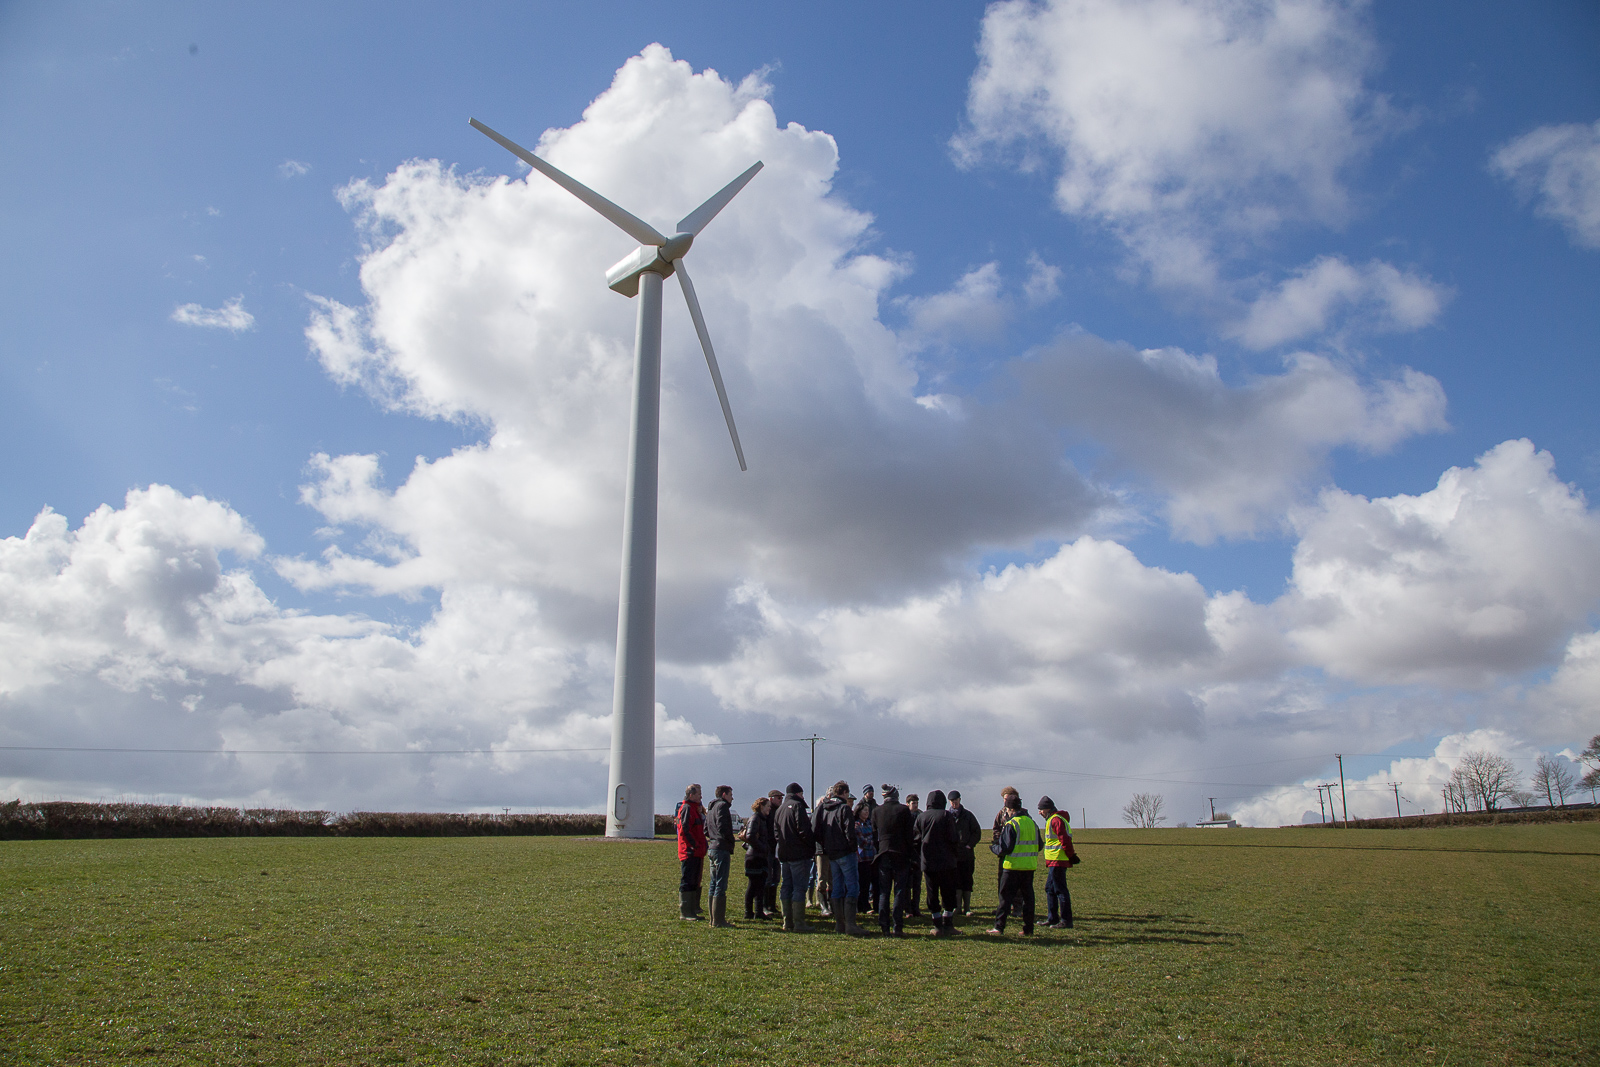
(1484, 781)
(65, 819)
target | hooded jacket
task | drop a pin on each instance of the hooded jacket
(834, 825)
(934, 833)
(758, 836)
(792, 828)
(892, 821)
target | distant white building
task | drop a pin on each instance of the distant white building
(1219, 822)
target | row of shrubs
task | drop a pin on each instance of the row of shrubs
(61, 819)
(1575, 813)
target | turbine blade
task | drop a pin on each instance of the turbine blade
(711, 357)
(696, 220)
(629, 223)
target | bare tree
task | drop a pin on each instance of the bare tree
(1455, 792)
(1144, 811)
(1552, 776)
(1489, 778)
(1590, 758)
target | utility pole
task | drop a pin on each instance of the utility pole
(1213, 802)
(1396, 787)
(1344, 801)
(812, 796)
(1322, 812)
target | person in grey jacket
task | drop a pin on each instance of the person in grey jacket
(936, 843)
(719, 848)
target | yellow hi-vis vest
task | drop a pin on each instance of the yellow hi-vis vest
(1025, 857)
(1055, 850)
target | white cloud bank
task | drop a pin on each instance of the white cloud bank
(832, 587)
(1195, 130)
(230, 316)
(1558, 167)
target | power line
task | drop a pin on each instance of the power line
(374, 751)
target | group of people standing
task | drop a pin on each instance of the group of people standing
(854, 856)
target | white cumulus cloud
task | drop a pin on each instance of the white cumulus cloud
(1558, 167)
(1376, 297)
(230, 316)
(1181, 125)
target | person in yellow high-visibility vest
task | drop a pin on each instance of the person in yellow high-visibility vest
(1058, 856)
(1018, 849)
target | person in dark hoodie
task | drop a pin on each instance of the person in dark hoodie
(969, 833)
(757, 857)
(834, 824)
(934, 836)
(719, 849)
(797, 847)
(892, 823)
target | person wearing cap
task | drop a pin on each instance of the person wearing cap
(1018, 849)
(892, 827)
(914, 907)
(797, 849)
(690, 818)
(1000, 820)
(968, 834)
(834, 825)
(1058, 856)
(934, 834)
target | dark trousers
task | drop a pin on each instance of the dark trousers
(868, 900)
(1016, 893)
(916, 890)
(755, 893)
(894, 883)
(1058, 902)
(966, 863)
(774, 880)
(941, 887)
(689, 879)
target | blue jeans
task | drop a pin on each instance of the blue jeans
(719, 873)
(846, 884)
(795, 873)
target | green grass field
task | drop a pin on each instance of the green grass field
(1451, 946)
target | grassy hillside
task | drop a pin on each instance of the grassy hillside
(1450, 946)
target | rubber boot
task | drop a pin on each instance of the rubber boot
(688, 905)
(850, 927)
(788, 915)
(719, 913)
(838, 917)
(800, 924)
(966, 902)
(694, 904)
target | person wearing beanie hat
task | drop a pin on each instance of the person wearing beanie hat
(1018, 849)
(834, 826)
(914, 906)
(891, 825)
(968, 834)
(774, 865)
(1058, 856)
(867, 851)
(797, 849)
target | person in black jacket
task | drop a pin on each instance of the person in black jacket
(774, 866)
(866, 866)
(892, 824)
(914, 908)
(834, 824)
(934, 834)
(719, 849)
(797, 846)
(970, 834)
(757, 857)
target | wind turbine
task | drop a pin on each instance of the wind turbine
(631, 790)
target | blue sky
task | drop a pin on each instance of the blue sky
(193, 155)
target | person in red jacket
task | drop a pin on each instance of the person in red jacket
(691, 820)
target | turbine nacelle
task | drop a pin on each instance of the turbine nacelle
(623, 277)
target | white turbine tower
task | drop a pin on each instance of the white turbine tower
(631, 791)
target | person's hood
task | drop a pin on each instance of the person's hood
(832, 802)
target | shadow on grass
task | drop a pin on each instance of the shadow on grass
(1346, 848)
